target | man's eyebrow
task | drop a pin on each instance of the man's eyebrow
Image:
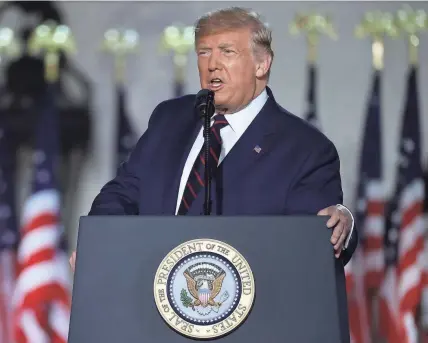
(226, 45)
(220, 46)
(203, 47)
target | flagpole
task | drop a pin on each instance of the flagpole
(313, 26)
(180, 40)
(51, 40)
(120, 44)
(374, 25)
(412, 23)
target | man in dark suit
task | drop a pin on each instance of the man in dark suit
(270, 162)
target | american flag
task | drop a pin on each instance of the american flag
(42, 293)
(9, 236)
(401, 287)
(126, 138)
(366, 266)
(371, 191)
(311, 110)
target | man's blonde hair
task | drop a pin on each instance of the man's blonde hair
(233, 18)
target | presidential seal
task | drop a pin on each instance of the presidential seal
(204, 289)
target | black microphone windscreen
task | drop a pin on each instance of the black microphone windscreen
(204, 103)
(203, 96)
(203, 92)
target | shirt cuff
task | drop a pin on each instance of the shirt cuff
(349, 214)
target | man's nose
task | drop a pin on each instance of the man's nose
(213, 63)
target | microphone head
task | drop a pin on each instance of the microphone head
(204, 93)
(204, 101)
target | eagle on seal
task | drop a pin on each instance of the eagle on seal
(204, 289)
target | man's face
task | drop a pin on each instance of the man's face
(227, 66)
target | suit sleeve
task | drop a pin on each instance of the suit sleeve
(120, 196)
(318, 185)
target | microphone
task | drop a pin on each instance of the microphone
(205, 103)
(205, 107)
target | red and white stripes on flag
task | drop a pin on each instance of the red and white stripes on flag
(401, 289)
(359, 318)
(371, 190)
(373, 228)
(365, 271)
(42, 289)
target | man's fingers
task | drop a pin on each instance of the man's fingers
(338, 221)
(328, 211)
(341, 241)
(337, 239)
(337, 232)
(334, 219)
(334, 214)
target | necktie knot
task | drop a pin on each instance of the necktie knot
(220, 121)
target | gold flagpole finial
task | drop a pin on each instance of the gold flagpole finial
(51, 39)
(313, 25)
(377, 25)
(412, 22)
(180, 40)
(120, 44)
(9, 45)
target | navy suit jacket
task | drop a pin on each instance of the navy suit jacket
(297, 171)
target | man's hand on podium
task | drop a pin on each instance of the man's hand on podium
(342, 222)
(72, 260)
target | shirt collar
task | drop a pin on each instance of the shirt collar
(240, 120)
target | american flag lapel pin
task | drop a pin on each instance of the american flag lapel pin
(257, 149)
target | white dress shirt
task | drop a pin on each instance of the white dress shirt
(238, 123)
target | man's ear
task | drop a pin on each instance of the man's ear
(262, 66)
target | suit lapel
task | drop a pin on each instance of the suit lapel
(256, 143)
(181, 147)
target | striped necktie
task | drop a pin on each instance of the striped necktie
(196, 178)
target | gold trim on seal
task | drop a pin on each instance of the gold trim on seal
(239, 267)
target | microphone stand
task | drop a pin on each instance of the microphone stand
(208, 113)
